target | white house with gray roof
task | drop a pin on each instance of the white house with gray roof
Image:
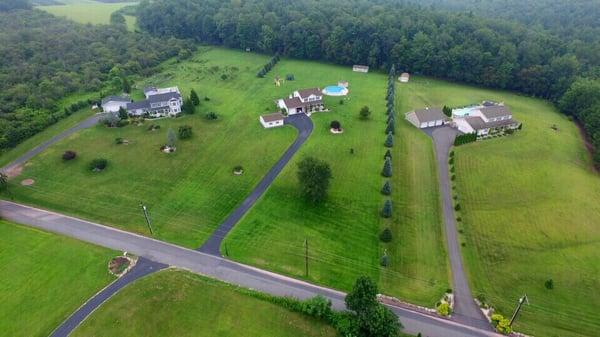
(426, 118)
(159, 102)
(486, 119)
(302, 101)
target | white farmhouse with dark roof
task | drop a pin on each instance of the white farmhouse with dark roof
(158, 103)
(114, 103)
(302, 101)
(272, 120)
(425, 118)
(486, 119)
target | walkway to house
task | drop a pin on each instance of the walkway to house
(465, 309)
(305, 126)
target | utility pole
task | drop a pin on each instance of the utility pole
(521, 300)
(306, 256)
(145, 209)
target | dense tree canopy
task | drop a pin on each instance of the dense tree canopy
(44, 58)
(380, 33)
(539, 48)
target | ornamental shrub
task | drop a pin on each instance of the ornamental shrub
(385, 235)
(443, 309)
(69, 155)
(98, 164)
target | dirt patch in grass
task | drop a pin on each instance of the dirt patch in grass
(27, 182)
(14, 171)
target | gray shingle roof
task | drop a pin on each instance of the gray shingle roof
(275, 116)
(430, 115)
(304, 93)
(163, 97)
(495, 111)
(293, 102)
(145, 104)
(478, 123)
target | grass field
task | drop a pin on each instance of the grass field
(343, 232)
(187, 192)
(531, 210)
(177, 303)
(89, 11)
(191, 191)
(45, 278)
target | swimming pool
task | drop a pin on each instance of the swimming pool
(462, 112)
(335, 90)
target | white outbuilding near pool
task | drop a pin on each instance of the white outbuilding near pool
(426, 118)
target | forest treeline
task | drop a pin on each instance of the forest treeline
(485, 50)
(44, 58)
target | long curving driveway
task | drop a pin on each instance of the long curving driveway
(162, 253)
(465, 309)
(305, 126)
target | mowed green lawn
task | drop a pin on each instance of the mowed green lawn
(342, 232)
(45, 277)
(188, 192)
(89, 11)
(531, 212)
(178, 303)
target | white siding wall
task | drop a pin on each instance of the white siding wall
(273, 124)
(113, 106)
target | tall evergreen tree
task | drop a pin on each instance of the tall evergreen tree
(390, 129)
(387, 168)
(387, 188)
(386, 211)
(388, 154)
(389, 140)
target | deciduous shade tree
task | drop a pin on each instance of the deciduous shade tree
(372, 318)
(314, 176)
(386, 211)
(389, 140)
(194, 97)
(387, 188)
(364, 112)
(387, 168)
(185, 132)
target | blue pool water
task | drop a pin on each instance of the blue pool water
(463, 112)
(334, 89)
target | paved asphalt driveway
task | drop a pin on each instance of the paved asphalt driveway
(465, 309)
(91, 121)
(163, 253)
(305, 126)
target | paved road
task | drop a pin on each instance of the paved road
(142, 268)
(91, 121)
(209, 265)
(466, 310)
(305, 126)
